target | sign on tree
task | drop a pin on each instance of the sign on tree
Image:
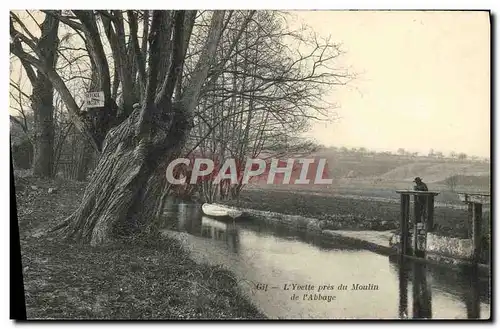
(94, 99)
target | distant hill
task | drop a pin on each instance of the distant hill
(358, 165)
(397, 168)
(461, 180)
(435, 172)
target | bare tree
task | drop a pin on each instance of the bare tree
(45, 47)
(136, 143)
(19, 102)
(265, 96)
(451, 182)
(20, 125)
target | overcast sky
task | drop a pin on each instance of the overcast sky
(425, 80)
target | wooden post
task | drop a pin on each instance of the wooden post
(405, 214)
(417, 218)
(429, 224)
(477, 213)
(475, 203)
(470, 222)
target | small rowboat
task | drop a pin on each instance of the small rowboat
(220, 211)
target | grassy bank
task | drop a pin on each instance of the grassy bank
(344, 213)
(152, 279)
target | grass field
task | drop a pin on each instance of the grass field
(352, 211)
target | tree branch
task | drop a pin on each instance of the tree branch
(96, 50)
(139, 59)
(60, 86)
(192, 92)
(220, 66)
(67, 21)
(33, 40)
(145, 34)
(148, 105)
(14, 85)
(176, 62)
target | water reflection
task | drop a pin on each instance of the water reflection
(403, 291)
(190, 219)
(422, 300)
(471, 296)
(276, 254)
(226, 232)
(421, 290)
(421, 278)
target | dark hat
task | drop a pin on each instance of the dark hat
(417, 179)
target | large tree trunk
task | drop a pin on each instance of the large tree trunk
(42, 104)
(42, 101)
(124, 193)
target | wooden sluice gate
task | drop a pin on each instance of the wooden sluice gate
(423, 221)
(413, 262)
(475, 202)
(415, 228)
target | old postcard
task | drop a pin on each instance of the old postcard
(250, 164)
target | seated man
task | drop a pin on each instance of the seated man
(419, 185)
(420, 200)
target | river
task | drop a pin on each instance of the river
(291, 274)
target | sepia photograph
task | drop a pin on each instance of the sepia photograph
(171, 164)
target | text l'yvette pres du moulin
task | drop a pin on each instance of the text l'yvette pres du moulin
(314, 291)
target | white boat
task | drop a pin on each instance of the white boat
(220, 211)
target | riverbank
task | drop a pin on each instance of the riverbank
(270, 253)
(369, 223)
(354, 214)
(441, 251)
(153, 279)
